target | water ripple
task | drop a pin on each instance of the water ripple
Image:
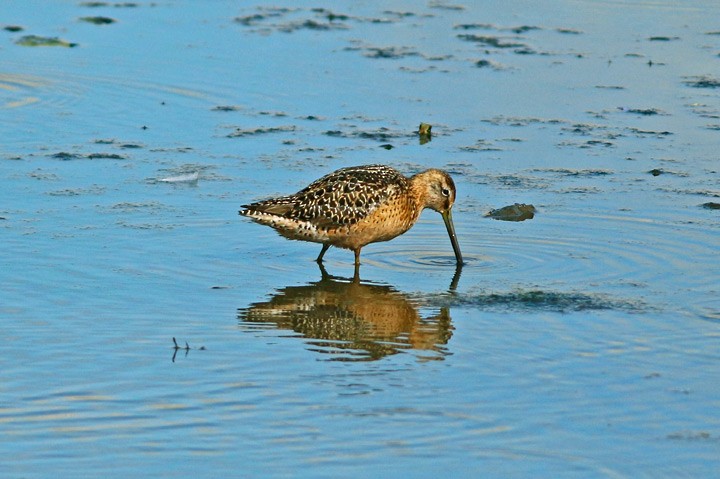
(599, 253)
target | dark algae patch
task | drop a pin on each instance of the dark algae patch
(587, 173)
(536, 299)
(491, 41)
(663, 39)
(108, 4)
(642, 111)
(227, 108)
(98, 20)
(489, 64)
(38, 41)
(702, 82)
(64, 155)
(240, 132)
(382, 134)
(692, 436)
(288, 20)
(105, 156)
(390, 52)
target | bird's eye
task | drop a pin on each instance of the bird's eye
(445, 192)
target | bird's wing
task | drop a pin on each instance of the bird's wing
(346, 196)
(341, 198)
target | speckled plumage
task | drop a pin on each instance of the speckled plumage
(355, 206)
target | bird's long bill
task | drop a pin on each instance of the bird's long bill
(447, 218)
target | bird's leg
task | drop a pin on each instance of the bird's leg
(322, 253)
(357, 256)
(323, 273)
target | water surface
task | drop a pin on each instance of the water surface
(581, 342)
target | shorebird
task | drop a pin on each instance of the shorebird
(352, 207)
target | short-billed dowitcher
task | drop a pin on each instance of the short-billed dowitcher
(355, 206)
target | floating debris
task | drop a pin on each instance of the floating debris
(663, 39)
(187, 348)
(711, 205)
(38, 41)
(13, 28)
(656, 172)
(425, 129)
(516, 212)
(425, 133)
(186, 178)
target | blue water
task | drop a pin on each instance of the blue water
(581, 343)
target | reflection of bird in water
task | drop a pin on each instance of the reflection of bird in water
(355, 206)
(357, 321)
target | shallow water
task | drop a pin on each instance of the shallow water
(582, 342)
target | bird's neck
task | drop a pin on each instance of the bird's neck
(419, 188)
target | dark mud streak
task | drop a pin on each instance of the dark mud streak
(536, 300)
(39, 41)
(702, 82)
